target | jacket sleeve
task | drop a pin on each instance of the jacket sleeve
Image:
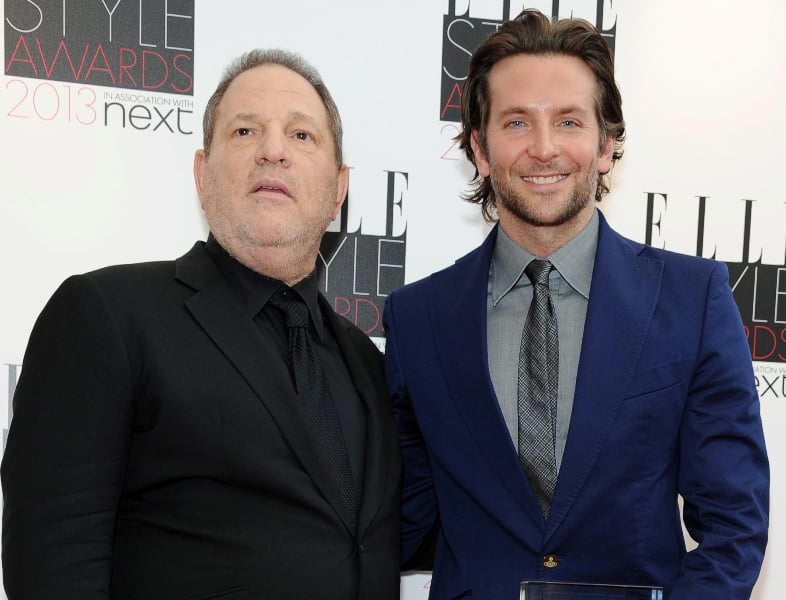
(724, 471)
(418, 501)
(63, 467)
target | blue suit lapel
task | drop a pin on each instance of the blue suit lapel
(623, 295)
(458, 309)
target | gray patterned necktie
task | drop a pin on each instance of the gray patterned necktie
(311, 385)
(537, 390)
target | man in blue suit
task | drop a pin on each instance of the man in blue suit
(652, 395)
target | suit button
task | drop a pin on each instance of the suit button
(362, 549)
(550, 561)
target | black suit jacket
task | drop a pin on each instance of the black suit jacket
(158, 450)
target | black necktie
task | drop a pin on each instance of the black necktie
(313, 390)
(537, 393)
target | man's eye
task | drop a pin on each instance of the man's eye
(568, 123)
(303, 136)
(516, 123)
(243, 131)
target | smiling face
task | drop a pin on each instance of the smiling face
(269, 183)
(543, 151)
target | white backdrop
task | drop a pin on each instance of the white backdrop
(703, 83)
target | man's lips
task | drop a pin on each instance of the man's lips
(270, 186)
(544, 179)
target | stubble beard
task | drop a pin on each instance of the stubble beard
(239, 236)
(525, 206)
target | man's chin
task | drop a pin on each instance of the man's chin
(544, 216)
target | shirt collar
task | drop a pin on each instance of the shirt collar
(255, 289)
(574, 261)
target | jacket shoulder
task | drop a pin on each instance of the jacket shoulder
(686, 265)
(448, 278)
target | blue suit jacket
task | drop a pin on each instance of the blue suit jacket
(665, 404)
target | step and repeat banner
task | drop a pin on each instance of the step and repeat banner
(100, 115)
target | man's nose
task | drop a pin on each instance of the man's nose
(543, 144)
(272, 148)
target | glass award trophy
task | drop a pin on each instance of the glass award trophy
(548, 590)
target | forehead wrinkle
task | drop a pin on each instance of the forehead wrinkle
(255, 117)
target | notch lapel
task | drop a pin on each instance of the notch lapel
(623, 296)
(380, 437)
(220, 314)
(458, 310)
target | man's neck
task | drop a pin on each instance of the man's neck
(287, 264)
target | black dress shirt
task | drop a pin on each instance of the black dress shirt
(254, 291)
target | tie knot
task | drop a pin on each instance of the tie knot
(538, 272)
(291, 304)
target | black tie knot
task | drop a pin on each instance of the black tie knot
(538, 272)
(291, 304)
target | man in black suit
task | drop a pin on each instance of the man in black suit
(164, 443)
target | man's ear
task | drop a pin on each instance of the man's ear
(200, 158)
(481, 160)
(605, 156)
(341, 188)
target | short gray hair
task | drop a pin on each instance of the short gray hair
(288, 60)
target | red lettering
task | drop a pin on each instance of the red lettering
(125, 67)
(100, 57)
(26, 59)
(361, 320)
(456, 91)
(347, 306)
(151, 70)
(783, 339)
(758, 340)
(149, 54)
(363, 313)
(189, 79)
(62, 49)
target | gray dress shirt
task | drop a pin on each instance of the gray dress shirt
(509, 297)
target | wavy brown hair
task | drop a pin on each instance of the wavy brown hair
(531, 32)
